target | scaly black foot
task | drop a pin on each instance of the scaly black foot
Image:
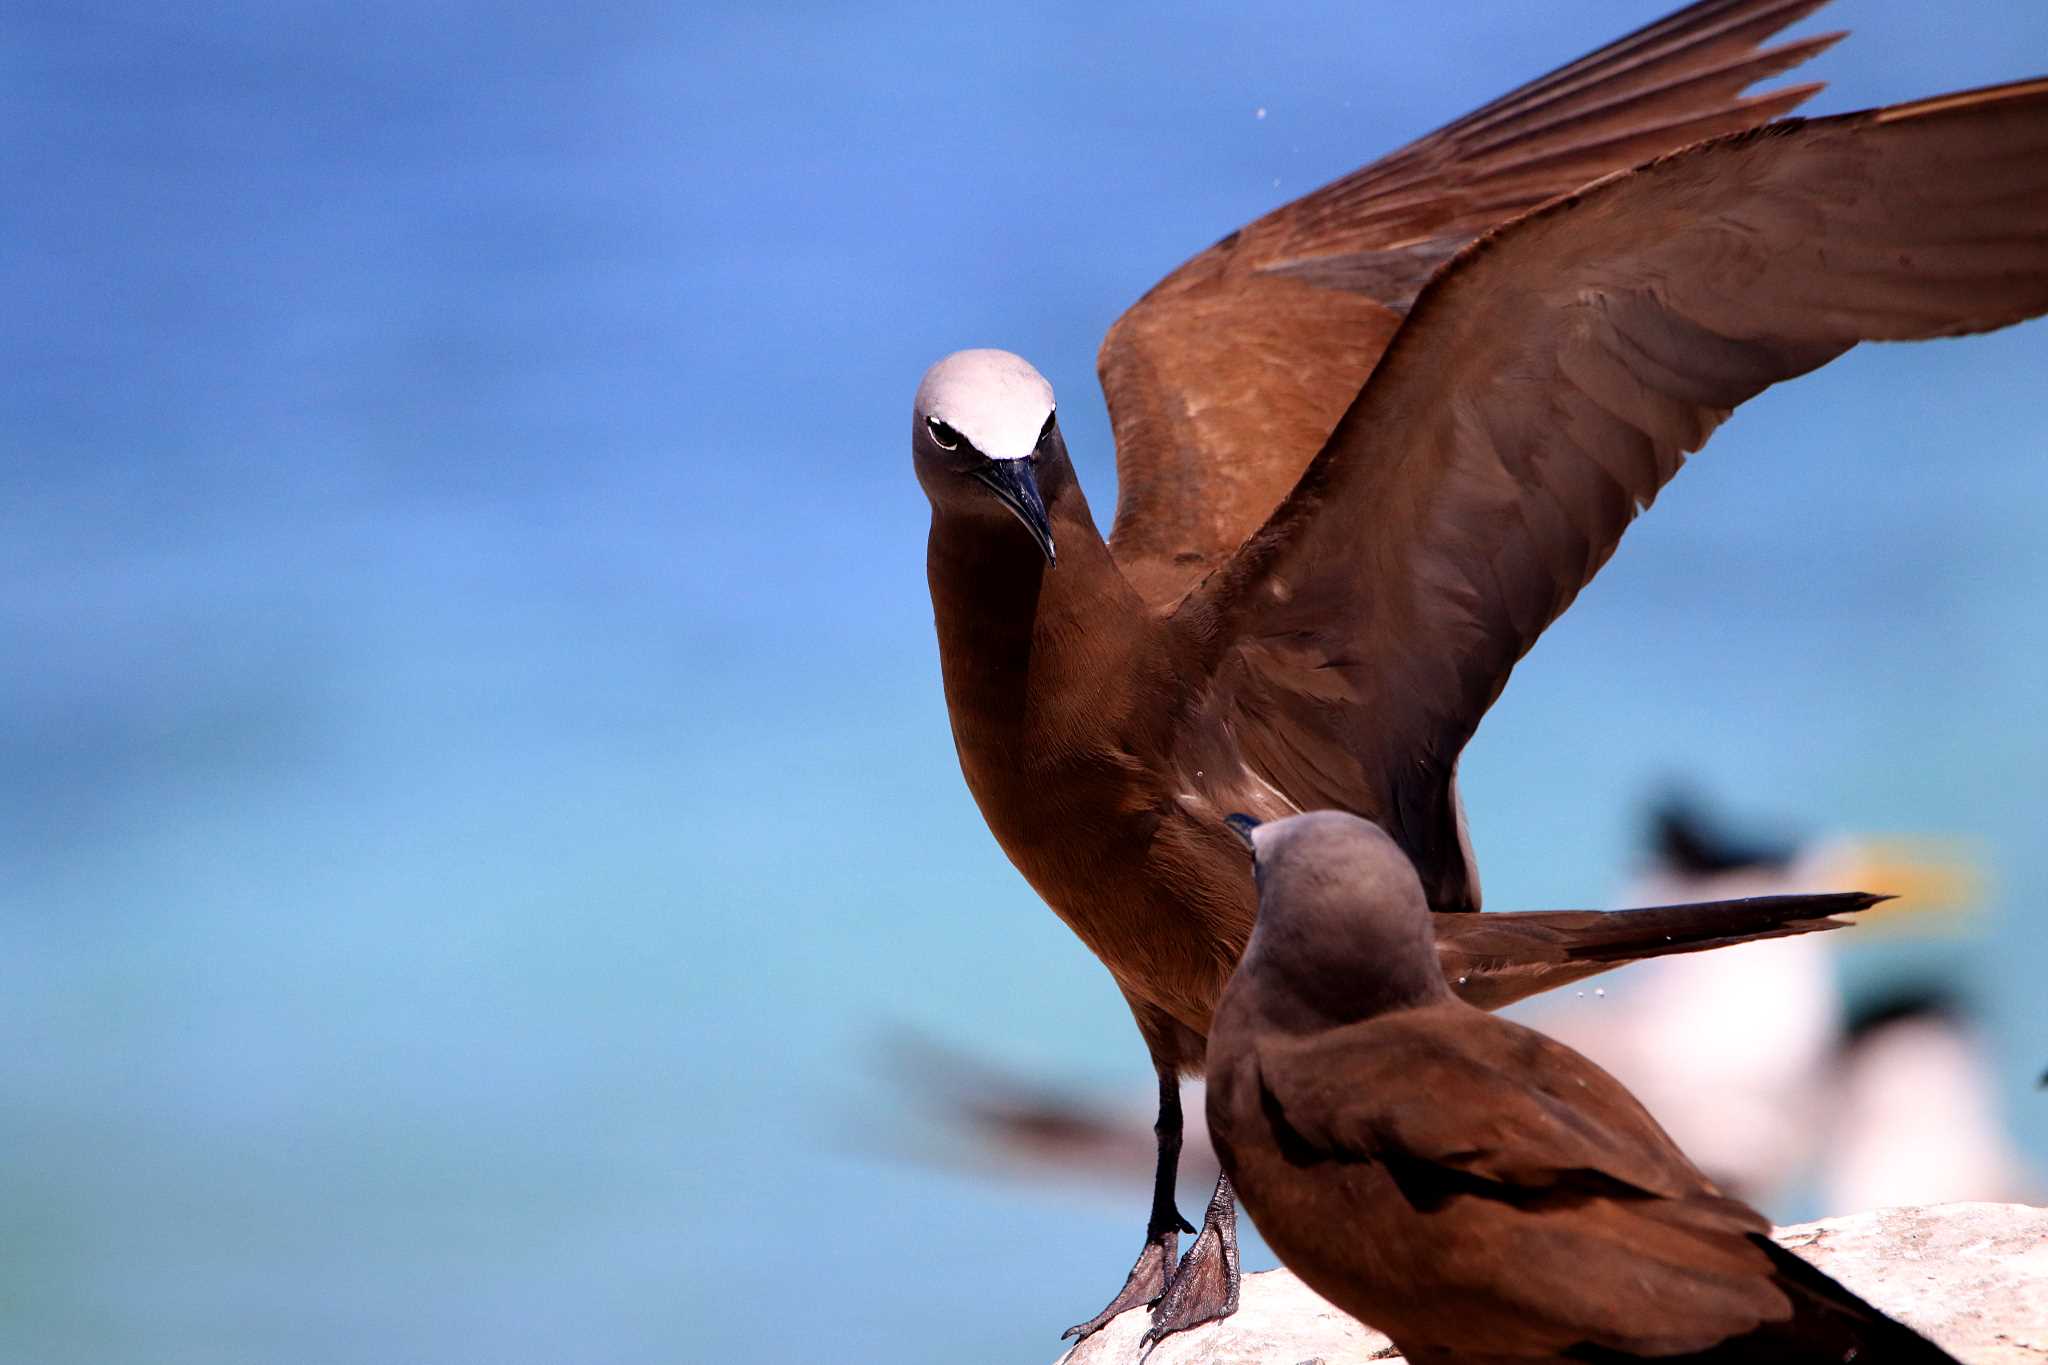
(1147, 1279)
(1204, 1286)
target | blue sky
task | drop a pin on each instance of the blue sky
(473, 783)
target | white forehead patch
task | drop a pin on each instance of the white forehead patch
(994, 399)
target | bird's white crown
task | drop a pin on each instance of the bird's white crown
(993, 398)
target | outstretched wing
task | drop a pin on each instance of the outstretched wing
(1225, 379)
(1545, 387)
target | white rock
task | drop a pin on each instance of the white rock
(1973, 1277)
(1278, 1319)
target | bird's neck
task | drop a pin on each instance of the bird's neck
(1034, 655)
(1311, 972)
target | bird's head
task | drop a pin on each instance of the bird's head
(983, 431)
(1344, 931)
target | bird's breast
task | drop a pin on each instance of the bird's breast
(1162, 895)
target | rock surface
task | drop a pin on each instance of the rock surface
(1279, 1319)
(1974, 1277)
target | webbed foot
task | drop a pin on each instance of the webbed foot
(1147, 1281)
(1204, 1285)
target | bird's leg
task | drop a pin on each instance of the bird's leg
(1148, 1278)
(1204, 1287)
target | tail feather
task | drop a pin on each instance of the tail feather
(1827, 1323)
(1495, 959)
(1832, 1323)
(1617, 936)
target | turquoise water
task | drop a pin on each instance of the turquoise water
(475, 787)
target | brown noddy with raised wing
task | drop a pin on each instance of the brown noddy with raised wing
(1482, 1194)
(1351, 500)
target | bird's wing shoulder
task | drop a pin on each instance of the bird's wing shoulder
(1225, 378)
(1550, 1209)
(1455, 1101)
(1548, 383)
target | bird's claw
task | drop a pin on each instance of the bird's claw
(1203, 1287)
(1147, 1282)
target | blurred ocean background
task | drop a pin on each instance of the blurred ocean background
(474, 786)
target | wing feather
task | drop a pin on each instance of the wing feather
(1226, 378)
(1552, 380)
(1503, 1147)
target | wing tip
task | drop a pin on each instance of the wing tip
(1773, 103)
(1983, 97)
(1801, 50)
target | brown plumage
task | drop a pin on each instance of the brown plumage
(1478, 1192)
(1328, 559)
(1224, 380)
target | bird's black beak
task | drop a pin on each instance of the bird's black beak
(1012, 482)
(1242, 826)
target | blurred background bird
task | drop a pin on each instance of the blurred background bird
(1759, 1068)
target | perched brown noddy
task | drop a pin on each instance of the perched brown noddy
(1479, 1192)
(1367, 454)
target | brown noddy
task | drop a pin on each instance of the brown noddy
(1477, 1191)
(1370, 446)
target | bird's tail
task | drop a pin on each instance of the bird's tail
(1829, 1323)
(1495, 959)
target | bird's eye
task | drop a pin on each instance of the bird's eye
(942, 435)
(1046, 430)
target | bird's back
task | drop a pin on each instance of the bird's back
(1480, 1192)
